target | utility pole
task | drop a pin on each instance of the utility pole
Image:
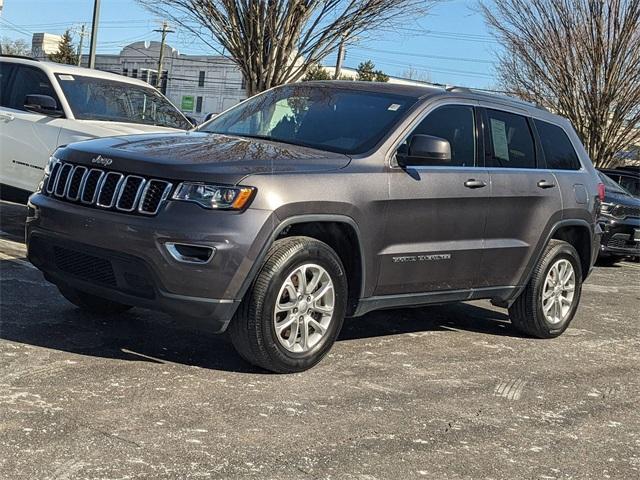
(165, 30)
(82, 34)
(339, 60)
(94, 34)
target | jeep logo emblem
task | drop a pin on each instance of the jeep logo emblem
(104, 161)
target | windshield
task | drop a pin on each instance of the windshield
(92, 98)
(613, 186)
(328, 118)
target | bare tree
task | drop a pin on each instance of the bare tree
(278, 41)
(14, 47)
(579, 58)
(414, 74)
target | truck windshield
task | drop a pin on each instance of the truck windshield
(330, 118)
(92, 98)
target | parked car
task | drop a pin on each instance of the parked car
(311, 202)
(627, 177)
(620, 223)
(45, 104)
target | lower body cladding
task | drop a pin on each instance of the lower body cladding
(186, 261)
(621, 238)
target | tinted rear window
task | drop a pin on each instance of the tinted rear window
(558, 150)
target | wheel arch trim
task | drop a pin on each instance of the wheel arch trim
(535, 258)
(305, 218)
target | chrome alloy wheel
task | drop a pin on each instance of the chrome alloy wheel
(304, 308)
(558, 291)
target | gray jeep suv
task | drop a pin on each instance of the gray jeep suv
(315, 201)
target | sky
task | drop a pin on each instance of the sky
(450, 45)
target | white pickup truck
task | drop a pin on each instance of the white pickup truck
(45, 104)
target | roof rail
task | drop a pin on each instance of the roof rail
(455, 89)
(23, 57)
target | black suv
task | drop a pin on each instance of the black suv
(315, 201)
(620, 223)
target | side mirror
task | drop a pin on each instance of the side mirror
(426, 150)
(43, 104)
(192, 120)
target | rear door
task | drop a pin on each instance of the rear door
(524, 198)
(436, 213)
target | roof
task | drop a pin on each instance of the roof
(416, 91)
(422, 92)
(53, 68)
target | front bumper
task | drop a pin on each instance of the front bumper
(123, 257)
(618, 237)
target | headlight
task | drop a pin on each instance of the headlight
(612, 210)
(52, 161)
(214, 196)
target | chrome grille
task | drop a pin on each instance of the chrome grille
(107, 189)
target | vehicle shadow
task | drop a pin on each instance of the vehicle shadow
(33, 313)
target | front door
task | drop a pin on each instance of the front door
(436, 213)
(27, 139)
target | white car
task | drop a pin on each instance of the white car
(44, 105)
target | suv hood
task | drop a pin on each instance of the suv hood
(200, 156)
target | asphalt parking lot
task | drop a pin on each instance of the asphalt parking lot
(439, 392)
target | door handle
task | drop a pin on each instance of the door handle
(546, 184)
(7, 117)
(473, 183)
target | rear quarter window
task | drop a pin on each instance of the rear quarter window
(558, 149)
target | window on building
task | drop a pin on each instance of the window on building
(125, 72)
(201, 78)
(510, 140)
(144, 75)
(134, 73)
(199, 105)
(454, 123)
(558, 150)
(243, 84)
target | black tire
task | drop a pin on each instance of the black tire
(252, 330)
(526, 313)
(92, 303)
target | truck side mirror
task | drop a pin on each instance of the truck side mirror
(43, 104)
(426, 150)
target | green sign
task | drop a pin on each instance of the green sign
(187, 103)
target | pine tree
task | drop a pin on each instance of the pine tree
(66, 51)
(367, 73)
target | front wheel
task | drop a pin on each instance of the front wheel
(549, 302)
(294, 311)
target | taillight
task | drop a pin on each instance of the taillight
(601, 191)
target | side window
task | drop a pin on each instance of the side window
(510, 141)
(631, 183)
(455, 123)
(558, 150)
(29, 81)
(6, 69)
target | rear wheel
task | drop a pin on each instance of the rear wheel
(92, 303)
(294, 311)
(549, 302)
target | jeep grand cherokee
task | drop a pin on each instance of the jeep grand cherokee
(315, 201)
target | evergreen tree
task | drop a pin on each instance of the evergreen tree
(367, 73)
(66, 51)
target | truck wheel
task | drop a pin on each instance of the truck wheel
(91, 303)
(293, 312)
(548, 303)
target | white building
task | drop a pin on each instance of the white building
(44, 44)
